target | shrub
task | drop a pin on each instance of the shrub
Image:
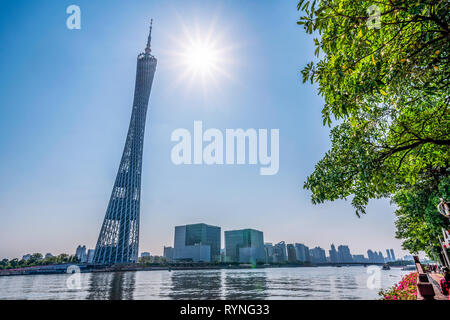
(406, 289)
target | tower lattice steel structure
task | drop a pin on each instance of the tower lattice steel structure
(118, 241)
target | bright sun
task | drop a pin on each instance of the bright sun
(201, 58)
(203, 61)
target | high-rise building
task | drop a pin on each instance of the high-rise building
(375, 257)
(302, 253)
(81, 254)
(145, 254)
(359, 258)
(369, 255)
(388, 257)
(168, 253)
(268, 251)
(279, 252)
(198, 242)
(334, 257)
(344, 254)
(292, 256)
(318, 255)
(246, 246)
(392, 255)
(90, 256)
(118, 241)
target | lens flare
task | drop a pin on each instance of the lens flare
(201, 57)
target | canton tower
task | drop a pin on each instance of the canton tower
(118, 241)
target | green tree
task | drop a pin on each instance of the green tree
(159, 260)
(14, 263)
(418, 222)
(386, 94)
(62, 258)
(4, 263)
(35, 259)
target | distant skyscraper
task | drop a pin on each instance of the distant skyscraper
(318, 255)
(344, 254)
(199, 242)
(168, 253)
(388, 257)
(359, 258)
(268, 250)
(81, 254)
(279, 252)
(246, 246)
(292, 256)
(380, 257)
(392, 255)
(333, 254)
(90, 256)
(302, 253)
(145, 254)
(118, 241)
(371, 256)
(375, 257)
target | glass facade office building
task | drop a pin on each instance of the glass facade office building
(193, 240)
(245, 245)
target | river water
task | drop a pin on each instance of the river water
(269, 283)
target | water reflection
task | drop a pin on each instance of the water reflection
(111, 286)
(246, 285)
(226, 284)
(205, 284)
(217, 284)
(270, 283)
(345, 286)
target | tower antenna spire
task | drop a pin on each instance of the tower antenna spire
(149, 40)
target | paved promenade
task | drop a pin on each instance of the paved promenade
(435, 280)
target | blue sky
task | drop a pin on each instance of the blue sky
(65, 103)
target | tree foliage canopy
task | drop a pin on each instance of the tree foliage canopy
(37, 259)
(417, 222)
(386, 94)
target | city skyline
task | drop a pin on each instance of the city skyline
(77, 109)
(198, 234)
(202, 242)
(148, 253)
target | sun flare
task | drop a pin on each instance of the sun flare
(202, 57)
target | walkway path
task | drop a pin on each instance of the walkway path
(435, 280)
